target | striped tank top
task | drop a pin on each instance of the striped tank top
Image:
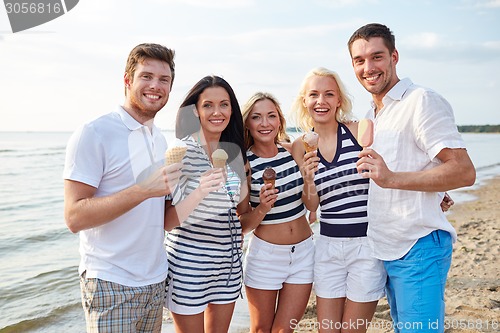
(342, 192)
(204, 252)
(289, 182)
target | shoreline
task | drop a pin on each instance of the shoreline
(473, 287)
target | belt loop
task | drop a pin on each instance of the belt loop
(435, 237)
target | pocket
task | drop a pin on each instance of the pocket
(389, 154)
(89, 287)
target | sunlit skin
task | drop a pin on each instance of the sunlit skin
(375, 67)
(322, 98)
(272, 310)
(263, 122)
(214, 110)
(148, 91)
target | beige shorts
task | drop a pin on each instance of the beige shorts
(344, 267)
(267, 266)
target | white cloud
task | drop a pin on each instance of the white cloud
(425, 40)
(489, 4)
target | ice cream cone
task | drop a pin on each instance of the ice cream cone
(270, 181)
(310, 140)
(175, 155)
(219, 158)
(269, 177)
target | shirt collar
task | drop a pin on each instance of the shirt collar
(131, 123)
(395, 94)
(399, 89)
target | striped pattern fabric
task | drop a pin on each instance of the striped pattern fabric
(342, 191)
(289, 182)
(204, 253)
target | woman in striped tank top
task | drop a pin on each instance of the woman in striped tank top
(348, 281)
(279, 263)
(204, 247)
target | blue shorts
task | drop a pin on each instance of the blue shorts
(416, 282)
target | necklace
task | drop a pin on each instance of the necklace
(208, 150)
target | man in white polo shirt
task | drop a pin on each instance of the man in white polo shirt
(114, 193)
(417, 154)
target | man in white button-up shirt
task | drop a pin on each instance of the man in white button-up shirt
(114, 192)
(417, 154)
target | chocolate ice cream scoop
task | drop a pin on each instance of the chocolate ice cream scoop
(269, 175)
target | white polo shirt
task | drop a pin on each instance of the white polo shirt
(414, 125)
(112, 153)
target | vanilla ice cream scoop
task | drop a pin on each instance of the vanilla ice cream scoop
(310, 140)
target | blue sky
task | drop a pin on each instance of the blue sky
(60, 74)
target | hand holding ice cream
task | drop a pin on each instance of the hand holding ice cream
(269, 177)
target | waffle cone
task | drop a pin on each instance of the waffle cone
(270, 181)
(309, 148)
(219, 163)
(175, 155)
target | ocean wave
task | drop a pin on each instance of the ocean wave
(487, 167)
(18, 242)
(39, 300)
(50, 319)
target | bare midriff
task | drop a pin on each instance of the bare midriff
(287, 233)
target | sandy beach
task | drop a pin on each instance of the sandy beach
(473, 288)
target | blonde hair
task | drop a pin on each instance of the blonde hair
(247, 108)
(300, 113)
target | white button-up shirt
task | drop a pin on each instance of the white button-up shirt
(414, 125)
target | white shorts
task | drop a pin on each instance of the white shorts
(344, 267)
(267, 266)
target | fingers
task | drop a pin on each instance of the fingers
(310, 165)
(212, 181)
(368, 152)
(268, 195)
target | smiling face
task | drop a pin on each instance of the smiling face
(322, 98)
(374, 66)
(263, 122)
(214, 110)
(148, 90)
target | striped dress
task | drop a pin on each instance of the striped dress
(342, 192)
(204, 253)
(289, 182)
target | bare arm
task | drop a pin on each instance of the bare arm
(250, 218)
(308, 165)
(82, 210)
(209, 181)
(455, 171)
(253, 217)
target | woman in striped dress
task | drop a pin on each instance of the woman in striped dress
(204, 246)
(279, 263)
(348, 281)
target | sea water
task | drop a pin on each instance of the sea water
(39, 284)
